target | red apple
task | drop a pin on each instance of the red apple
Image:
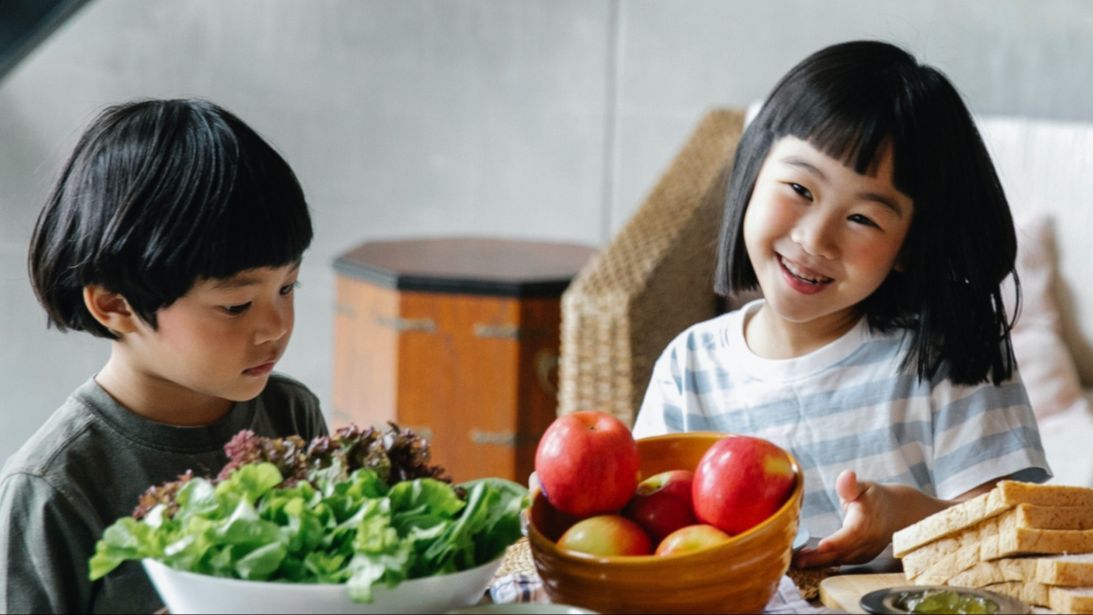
(740, 481)
(662, 503)
(587, 463)
(691, 538)
(606, 535)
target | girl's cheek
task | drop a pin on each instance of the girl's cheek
(772, 218)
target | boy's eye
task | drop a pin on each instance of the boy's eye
(288, 288)
(236, 310)
(860, 219)
(801, 190)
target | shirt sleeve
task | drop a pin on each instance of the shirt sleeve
(290, 408)
(983, 433)
(316, 423)
(44, 549)
(662, 396)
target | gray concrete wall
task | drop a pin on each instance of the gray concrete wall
(545, 119)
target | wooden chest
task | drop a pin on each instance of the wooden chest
(457, 339)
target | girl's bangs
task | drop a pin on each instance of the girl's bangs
(851, 131)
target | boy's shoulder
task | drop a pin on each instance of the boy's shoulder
(287, 406)
(83, 427)
(65, 429)
(285, 389)
(40, 467)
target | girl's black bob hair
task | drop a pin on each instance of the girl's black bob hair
(157, 195)
(850, 100)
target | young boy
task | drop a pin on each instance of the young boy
(176, 232)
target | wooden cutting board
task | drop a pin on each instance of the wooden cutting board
(844, 592)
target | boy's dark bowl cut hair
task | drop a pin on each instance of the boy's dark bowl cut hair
(851, 101)
(157, 195)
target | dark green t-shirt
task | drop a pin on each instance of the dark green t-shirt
(87, 466)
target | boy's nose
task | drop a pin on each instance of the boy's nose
(277, 323)
(815, 234)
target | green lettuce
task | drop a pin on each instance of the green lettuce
(332, 528)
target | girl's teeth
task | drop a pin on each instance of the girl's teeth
(802, 277)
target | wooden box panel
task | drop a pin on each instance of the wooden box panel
(365, 370)
(476, 375)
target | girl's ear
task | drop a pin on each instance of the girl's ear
(110, 309)
(901, 259)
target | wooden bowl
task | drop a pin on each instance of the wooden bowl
(739, 576)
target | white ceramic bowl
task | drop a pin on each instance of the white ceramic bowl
(189, 592)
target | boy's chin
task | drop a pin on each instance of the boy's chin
(247, 391)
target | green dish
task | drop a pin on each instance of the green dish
(939, 599)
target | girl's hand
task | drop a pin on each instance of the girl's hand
(867, 525)
(873, 513)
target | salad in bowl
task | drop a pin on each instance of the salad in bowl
(361, 509)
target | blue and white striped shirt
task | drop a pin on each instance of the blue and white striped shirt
(847, 405)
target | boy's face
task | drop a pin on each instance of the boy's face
(222, 338)
(820, 236)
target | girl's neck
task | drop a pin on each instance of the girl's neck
(772, 337)
(154, 398)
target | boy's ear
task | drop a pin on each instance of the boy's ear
(110, 309)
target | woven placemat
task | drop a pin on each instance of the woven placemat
(808, 580)
(517, 560)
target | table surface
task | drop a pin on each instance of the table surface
(844, 591)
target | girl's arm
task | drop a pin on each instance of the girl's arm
(873, 513)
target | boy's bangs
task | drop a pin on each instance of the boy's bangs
(262, 225)
(238, 207)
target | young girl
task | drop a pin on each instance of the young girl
(863, 204)
(175, 232)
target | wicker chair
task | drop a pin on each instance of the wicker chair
(654, 279)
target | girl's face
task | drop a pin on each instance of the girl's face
(822, 237)
(221, 339)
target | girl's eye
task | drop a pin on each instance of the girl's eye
(236, 310)
(801, 190)
(860, 219)
(288, 288)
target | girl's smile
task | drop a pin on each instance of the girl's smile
(821, 238)
(802, 279)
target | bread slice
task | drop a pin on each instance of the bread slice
(1073, 570)
(1002, 536)
(940, 571)
(1058, 599)
(1006, 494)
(948, 556)
(998, 571)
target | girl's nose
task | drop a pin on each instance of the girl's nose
(815, 233)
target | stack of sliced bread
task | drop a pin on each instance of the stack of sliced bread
(1032, 542)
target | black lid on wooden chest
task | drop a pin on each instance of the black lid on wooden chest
(467, 265)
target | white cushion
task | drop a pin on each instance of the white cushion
(1046, 367)
(1046, 167)
(1066, 436)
